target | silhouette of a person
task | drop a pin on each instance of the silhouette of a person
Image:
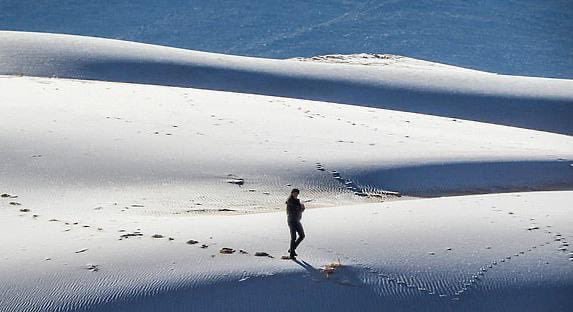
(294, 215)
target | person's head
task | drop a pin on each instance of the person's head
(294, 193)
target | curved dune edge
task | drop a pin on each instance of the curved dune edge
(534, 103)
(500, 252)
(159, 142)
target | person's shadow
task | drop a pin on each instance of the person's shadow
(315, 274)
(307, 266)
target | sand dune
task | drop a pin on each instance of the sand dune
(163, 141)
(140, 193)
(477, 253)
(406, 85)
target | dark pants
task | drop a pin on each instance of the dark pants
(295, 227)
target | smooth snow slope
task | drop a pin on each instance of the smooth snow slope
(535, 103)
(174, 149)
(500, 252)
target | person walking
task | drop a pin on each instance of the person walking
(294, 215)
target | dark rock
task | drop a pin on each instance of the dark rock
(226, 250)
(262, 254)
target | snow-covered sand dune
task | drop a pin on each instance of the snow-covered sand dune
(119, 196)
(423, 87)
(163, 141)
(505, 252)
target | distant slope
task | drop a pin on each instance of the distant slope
(526, 37)
(535, 103)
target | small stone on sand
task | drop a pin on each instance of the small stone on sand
(261, 254)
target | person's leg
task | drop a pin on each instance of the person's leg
(300, 231)
(293, 230)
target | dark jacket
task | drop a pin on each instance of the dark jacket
(294, 209)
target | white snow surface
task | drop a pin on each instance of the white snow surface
(407, 85)
(133, 140)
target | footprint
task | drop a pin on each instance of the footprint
(262, 254)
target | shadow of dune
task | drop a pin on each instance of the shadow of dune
(434, 180)
(546, 114)
(294, 292)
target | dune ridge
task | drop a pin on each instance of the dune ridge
(534, 103)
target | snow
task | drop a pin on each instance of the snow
(133, 140)
(535, 103)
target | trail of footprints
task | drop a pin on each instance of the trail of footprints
(355, 188)
(124, 234)
(535, 226)
(411, 283)
(309, 114)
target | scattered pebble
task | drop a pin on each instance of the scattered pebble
(92, 267)
(24, 210)
(226, 250)
(15, 203)
(235, 180)
(81, 250)
(192, 242)
(157, 236)
(204, 246)
(262, 254)
(225, 209)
